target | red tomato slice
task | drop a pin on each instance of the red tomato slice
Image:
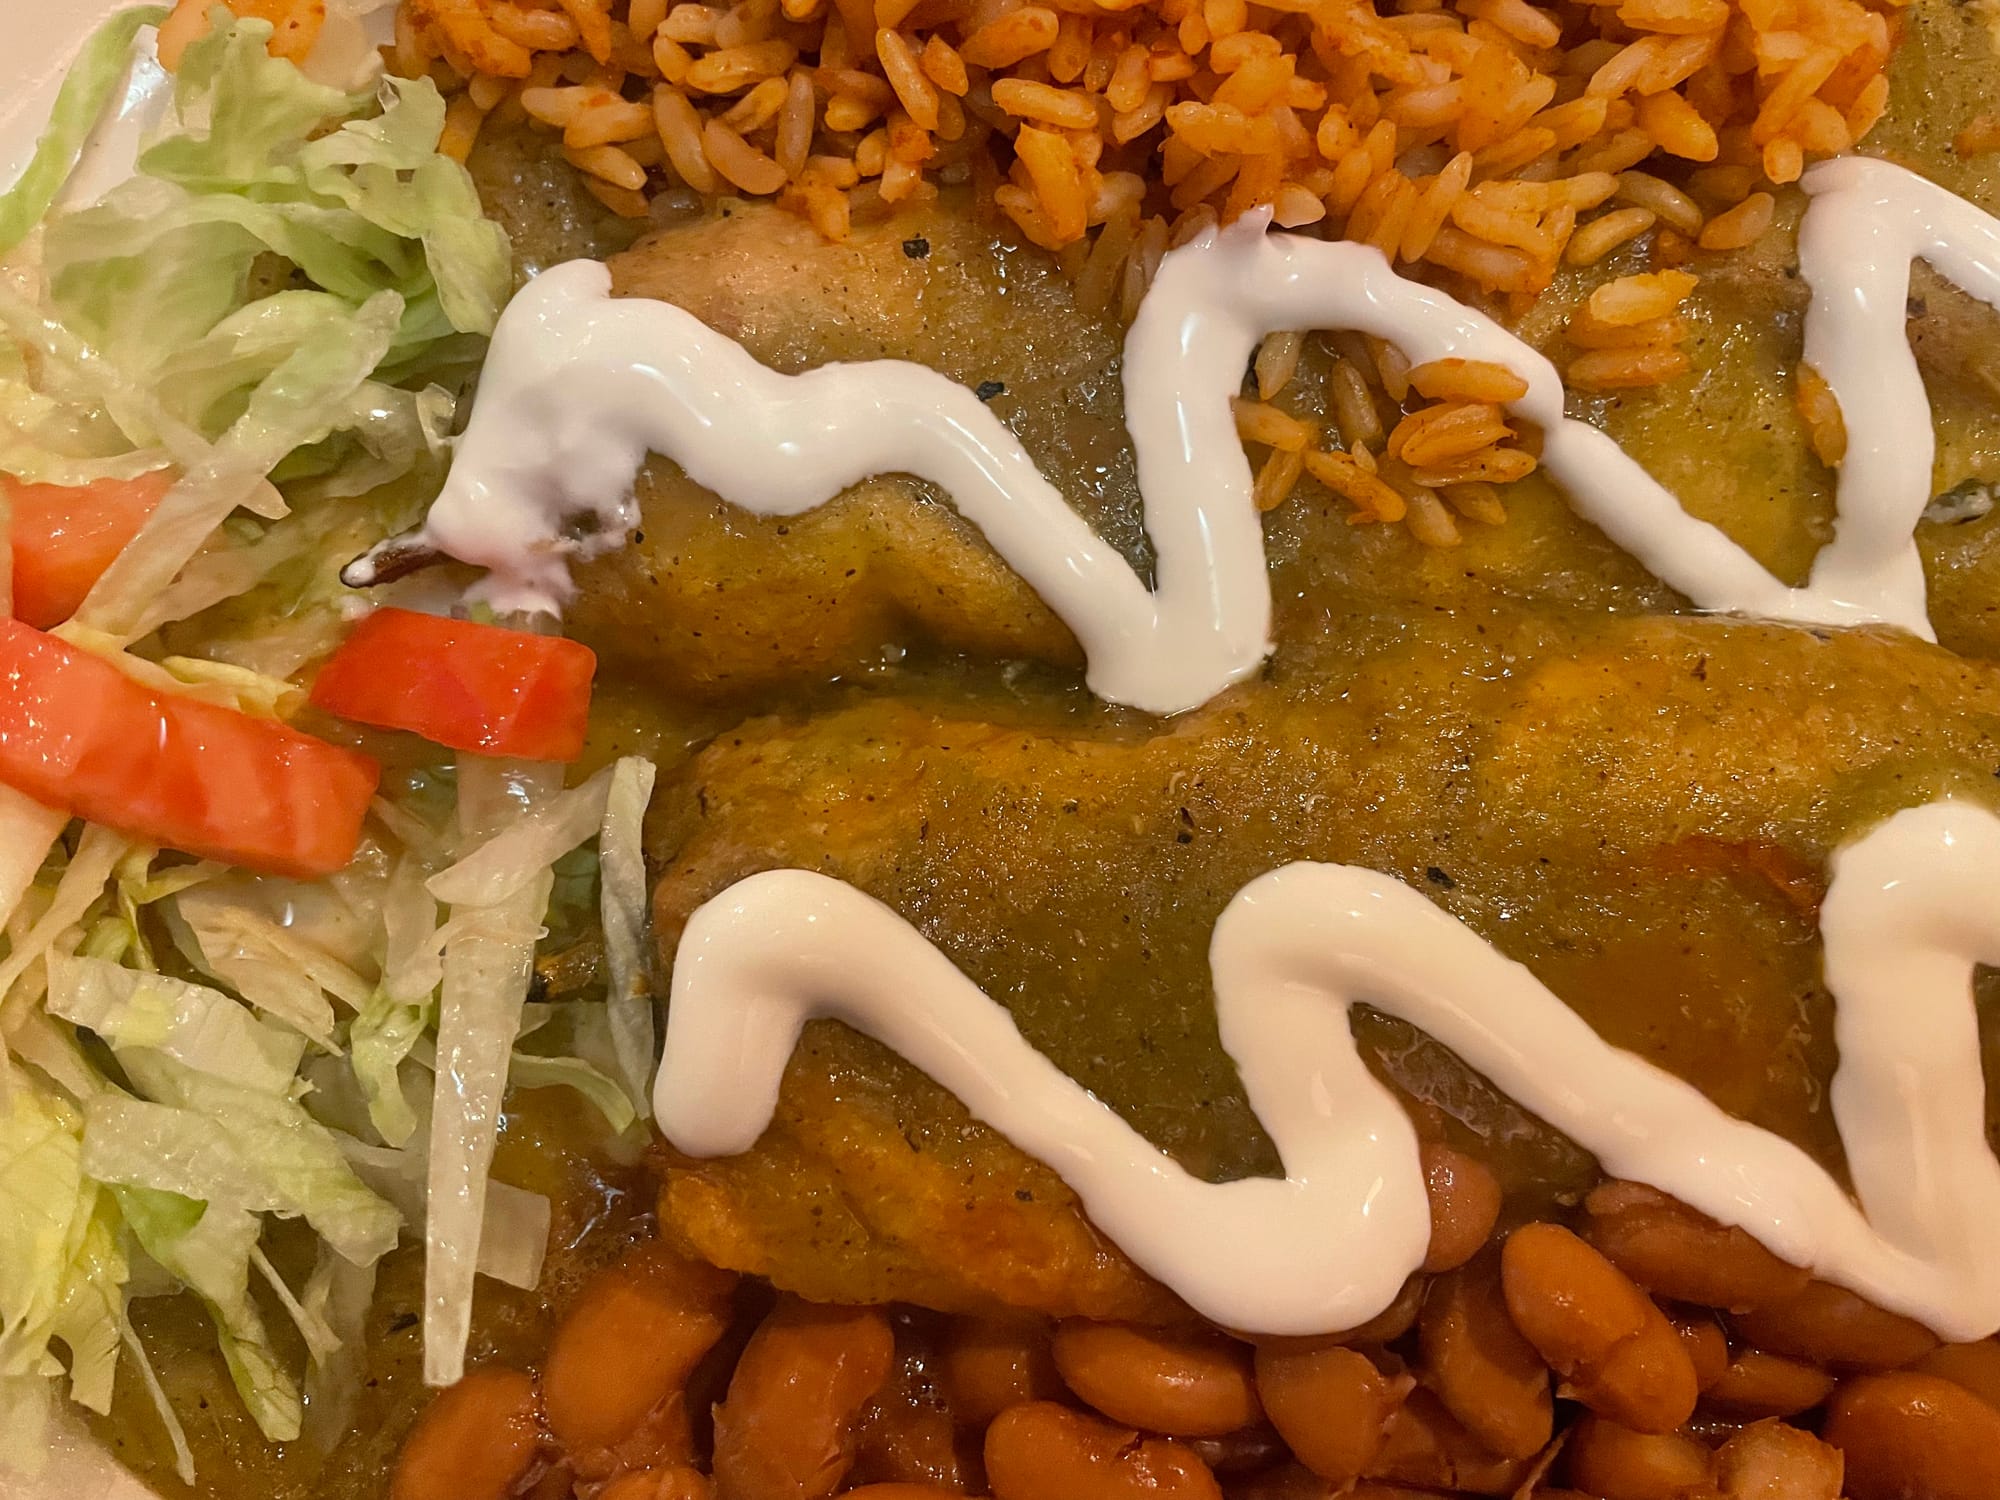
(78, 734)
(470, 686)
(64, 537)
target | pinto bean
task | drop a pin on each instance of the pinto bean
(1914, 1437)
(556, 1481)
(473, 1441)
(1757, 1384)
(1287, 1481)
(906, 1433)
(1829, 1325)
(1247, 1452)
(1427, 1446)
(1331, 1405)
(1616, 1463)
(1393, 1321)
(1182, 1384)
(1674, 1252)
(635, 1332)
(1465, 1205)
(1388, 1325)
(1605, 1337)
(991, 1364)
(910, 1445)
(674, 1482)
(1296, 1482)
(1974, 1366)
(1042, 1450)
(1772, 1461)
(784, 1431)
(1482, 1369)
(1706, 1344)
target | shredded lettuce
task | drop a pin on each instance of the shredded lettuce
(27, 832)
(269, 964)
(289, 1163)
(162, 1407)
(531, 1070)
(43, 1193)
(514, 1235)
(197, 1026)
(413, 960)
(52, 1049)
(290, 286)
(296, 404)
(362, 209)
(207, 1247)
(136, 1143)
(486, 974)
(283, 306)
(339, 1294)
(380, 1037)
(90, 1322)
(321, 1341)
(81, 884)
(505, 864)
(62, 1268)
(84, 418)
(93, 78)
(515, 1222)
(621, 863)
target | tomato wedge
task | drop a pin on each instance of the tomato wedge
(65, 536)
(470, 686)
(78, 734)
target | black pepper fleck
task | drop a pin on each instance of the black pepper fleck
(916, 247)
(1439, 879)
(986, 390)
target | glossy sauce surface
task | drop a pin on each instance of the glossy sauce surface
(1421, 689)
(580, 386)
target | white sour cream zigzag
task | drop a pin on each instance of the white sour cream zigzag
(579, 386)
(1908, 915)
(1868, 221)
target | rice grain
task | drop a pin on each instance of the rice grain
(1464, 137)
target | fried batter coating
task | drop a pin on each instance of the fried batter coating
(1640, 810)
(716, 603)
(713, 601)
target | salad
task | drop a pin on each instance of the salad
(263, 963)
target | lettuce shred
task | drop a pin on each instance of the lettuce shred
(282, 305)
(293, 286)
(488, 964)
(91, 81)
(198, 1052)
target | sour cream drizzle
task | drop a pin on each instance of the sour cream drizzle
(1327, 1246)
(578, 387)
(1867, 222)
